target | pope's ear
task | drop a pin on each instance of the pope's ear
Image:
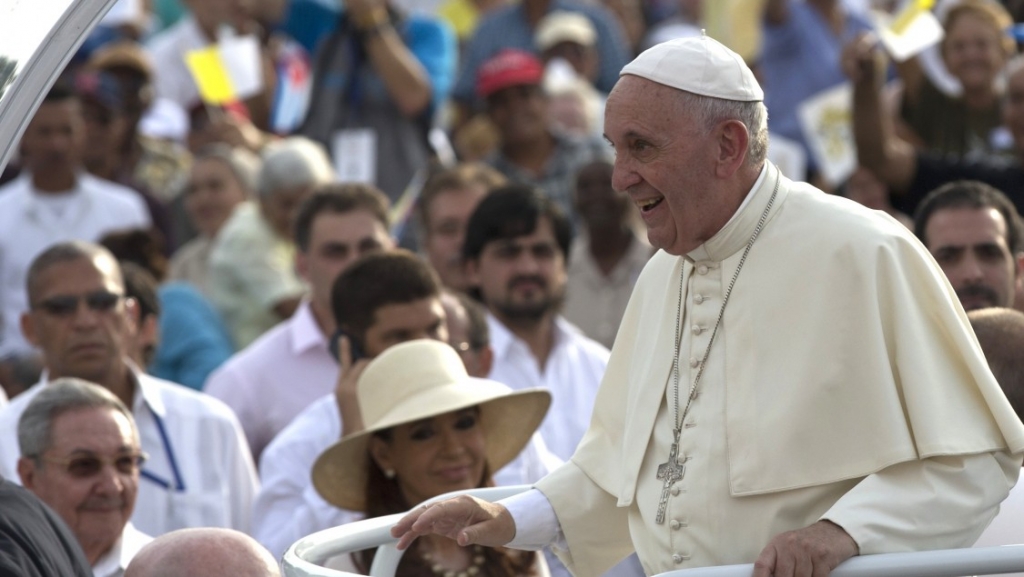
(732, 139)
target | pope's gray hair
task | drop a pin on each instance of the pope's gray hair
(291, 162)
(35, 427)
(710, 111)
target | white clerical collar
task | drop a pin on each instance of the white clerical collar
(750, 193)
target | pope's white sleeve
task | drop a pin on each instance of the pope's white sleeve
(934, 503)
(536, 524)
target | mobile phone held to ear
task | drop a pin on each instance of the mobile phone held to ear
(335, 346)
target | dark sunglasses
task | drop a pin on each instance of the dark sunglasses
(86, 466)
(67, 305)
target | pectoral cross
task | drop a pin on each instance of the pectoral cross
(670, 471)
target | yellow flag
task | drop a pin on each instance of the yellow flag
(907, 15)
(211, 76)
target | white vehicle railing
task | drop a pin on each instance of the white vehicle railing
(305, 557)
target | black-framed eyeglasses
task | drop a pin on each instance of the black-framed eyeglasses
(86, 466)
(67, 305)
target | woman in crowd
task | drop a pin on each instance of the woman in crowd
(975, 50)
(430, 429)
(222, 177)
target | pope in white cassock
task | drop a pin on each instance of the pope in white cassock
(794, 381)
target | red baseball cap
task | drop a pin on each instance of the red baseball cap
(510, 67)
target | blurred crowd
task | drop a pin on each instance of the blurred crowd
(380, 171)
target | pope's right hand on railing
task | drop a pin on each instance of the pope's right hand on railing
(468, 520)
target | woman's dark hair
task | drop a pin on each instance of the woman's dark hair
(383, 497)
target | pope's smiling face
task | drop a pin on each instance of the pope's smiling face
(664, 161)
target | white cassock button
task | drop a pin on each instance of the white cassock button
(702, 269)
(694, 362)
(697, 329)
(698, 299)
(675, 491)
(677, 558)
(675, 524)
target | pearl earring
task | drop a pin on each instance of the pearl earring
(389, 473)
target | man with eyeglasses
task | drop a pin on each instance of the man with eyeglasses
(81, 456)
(200, 472)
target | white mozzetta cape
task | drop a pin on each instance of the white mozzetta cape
(843, 352)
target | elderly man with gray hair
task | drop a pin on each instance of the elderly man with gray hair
(793, 382)
(252, 279)
(80, 455)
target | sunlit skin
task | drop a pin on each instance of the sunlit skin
(973, 53)
(337, 240)
(678, 176)
(434, 456)
(401, 322)
(89, 344)
(95, 508)
(521, 279)
(971, 248)
(212, 193)
(447, 217)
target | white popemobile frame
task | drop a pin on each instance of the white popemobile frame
(302, 558)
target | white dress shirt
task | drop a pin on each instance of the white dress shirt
(272, 380)
(288, 507)
(573, 372)
(31, 222)
(120, 555)
(199, 472)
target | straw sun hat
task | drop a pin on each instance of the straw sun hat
(418, 380)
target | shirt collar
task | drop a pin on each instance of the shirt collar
(144, 384)
(305, 331)
(502, 339)
(737, 231)
(115, 561)
(149, 392)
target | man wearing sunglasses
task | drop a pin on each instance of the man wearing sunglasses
(200, 472)
(81, 456)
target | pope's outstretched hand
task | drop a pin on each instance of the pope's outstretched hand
(468, 520)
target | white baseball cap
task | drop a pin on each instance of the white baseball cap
(700, 65)
(564, 26)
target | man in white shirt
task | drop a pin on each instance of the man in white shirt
(382, 300)
(516, 247)
(272, 380)
(81, 456)
(200, 470)
(54, 200)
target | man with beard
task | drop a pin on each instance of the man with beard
(516, 251)
(974, 232)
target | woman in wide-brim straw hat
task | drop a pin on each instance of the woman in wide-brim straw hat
(430, 429)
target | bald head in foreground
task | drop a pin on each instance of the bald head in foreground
(204, 552)
(1000, 332)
